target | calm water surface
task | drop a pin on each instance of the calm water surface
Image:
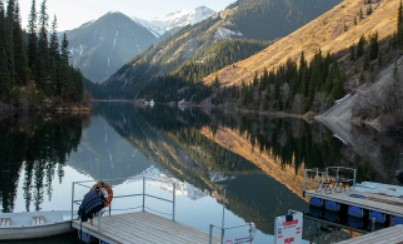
(253, 164)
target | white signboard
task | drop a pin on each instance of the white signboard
(288, 229)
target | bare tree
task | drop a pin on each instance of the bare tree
(320, 102)
(284, 93)
(298, 104)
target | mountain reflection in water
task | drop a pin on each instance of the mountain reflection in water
(258, 160)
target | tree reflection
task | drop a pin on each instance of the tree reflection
(38, 147)
(196, 147)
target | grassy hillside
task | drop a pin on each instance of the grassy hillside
(334, 31)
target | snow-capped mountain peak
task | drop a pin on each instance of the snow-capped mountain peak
(175, 20)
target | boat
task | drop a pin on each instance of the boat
(31, 225)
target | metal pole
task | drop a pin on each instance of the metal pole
(173, 201)
(144, 192)
(250, 233)
(72, 202)
(222, 235)
(223, 210)
(99, 221)
(210, 236)
(223, 217)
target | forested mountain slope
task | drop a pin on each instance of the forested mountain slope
(190, 45)
(270, 19)
(333, 32)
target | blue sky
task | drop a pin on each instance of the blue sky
(72, 13)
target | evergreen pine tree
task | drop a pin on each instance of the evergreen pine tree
(4, 72)
(367, 62)
(64, 48)
(216, 82)
(62, 82)
(43, 49)
(255, 81)
(20, 58)
(380, 59)
(54, 55)
(373, 48)
(361, 47)
(369, 10)
(400, 24)
(54, 41)
(302, 76)
(352, 52)
(9, 43)
(32, 39)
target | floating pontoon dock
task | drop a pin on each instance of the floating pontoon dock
(142, 227)
(138, 223)
(338, 185)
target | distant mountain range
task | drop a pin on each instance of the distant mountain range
(100, 47)
(248, 19)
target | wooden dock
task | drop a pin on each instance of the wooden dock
(378, 202)
(142, 227)
(391, 235)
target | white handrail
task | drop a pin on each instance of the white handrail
(142, 194)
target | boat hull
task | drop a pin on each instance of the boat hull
(32, 225)
(20, 233)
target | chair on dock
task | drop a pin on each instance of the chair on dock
(329, 180)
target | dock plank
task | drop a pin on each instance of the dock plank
(391, 235)
(143, 227)
(142, 230)
(377, 202)
(165, 229)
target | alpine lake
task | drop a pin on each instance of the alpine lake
(229, 168)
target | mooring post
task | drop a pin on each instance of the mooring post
(210, 236)
(251, 228)
(144, 192)
(173, 201)
(72, 202)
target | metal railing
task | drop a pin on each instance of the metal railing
(86, 185)
(335, 178)
(242, 239)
